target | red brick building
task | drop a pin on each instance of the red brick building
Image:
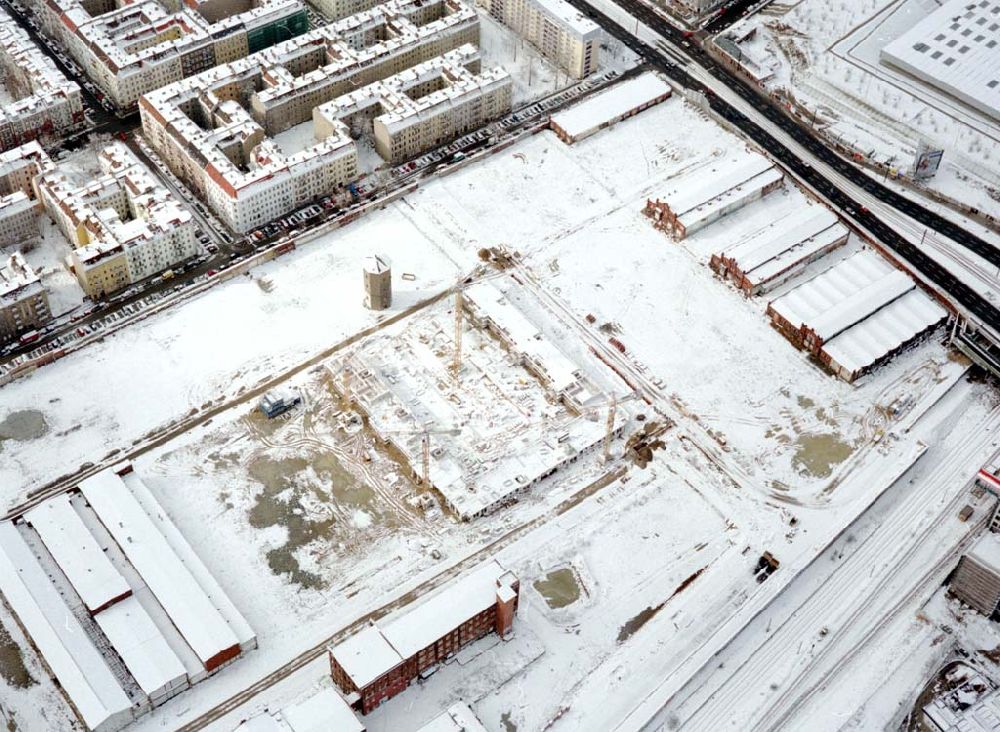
(382, 660)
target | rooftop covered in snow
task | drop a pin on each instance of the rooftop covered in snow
(956, 48)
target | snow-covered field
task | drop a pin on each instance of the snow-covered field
(305, 534)
(827, 56)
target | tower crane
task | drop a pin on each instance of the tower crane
(425, 446)
(609, 428)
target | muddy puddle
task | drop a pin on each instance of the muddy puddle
(12, 668)
(637, 621)
(559, 588)
(818, 454)
(27, 424)
(309, 498)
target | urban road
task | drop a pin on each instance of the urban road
(103, 314)
(681, 50)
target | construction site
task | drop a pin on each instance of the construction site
(477, 402)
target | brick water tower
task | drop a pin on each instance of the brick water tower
(378, 282)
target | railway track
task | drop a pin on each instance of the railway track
(872, 565)
(933, 575)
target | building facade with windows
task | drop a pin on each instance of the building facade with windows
(381, 661)
(45, 104)
(128, 49)
(24, 304)
(124, 226)
(19, 204)
(219, 131)
(559, 31)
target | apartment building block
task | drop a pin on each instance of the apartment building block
(24, 304)
(219, 131)
(19, 204)
(560, 32)
(128, 49)
(124, 226)
(44, 103)
(425, 106)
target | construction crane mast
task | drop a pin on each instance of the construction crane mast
(346, 386)
(425, 446)
(610, 427)
(456, 364)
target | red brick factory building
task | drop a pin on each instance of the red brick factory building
(382, 660)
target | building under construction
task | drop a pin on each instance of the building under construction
(484, 424)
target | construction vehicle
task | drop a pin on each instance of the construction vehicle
(276, 402)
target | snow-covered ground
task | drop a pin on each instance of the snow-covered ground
(307, 528)
(827, 56)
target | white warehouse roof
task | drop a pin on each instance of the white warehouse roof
(768, 251)
(806, 303)
(77, 553)
(141, 645)
(864, 344)
(190, 609)
(956, 49)
(457, 718)
(611, 105)
(68, 650)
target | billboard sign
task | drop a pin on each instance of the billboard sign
(927, 161)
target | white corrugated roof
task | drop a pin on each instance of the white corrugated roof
(800, 252)
(809, 300)
(859, 347)
(779, 236)
(609, 105)
(69, 652)
(706, 184)
(142, 647)
(325, 711)
(859, 305)
(457, 718)
(77, 552)
(175, 588)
